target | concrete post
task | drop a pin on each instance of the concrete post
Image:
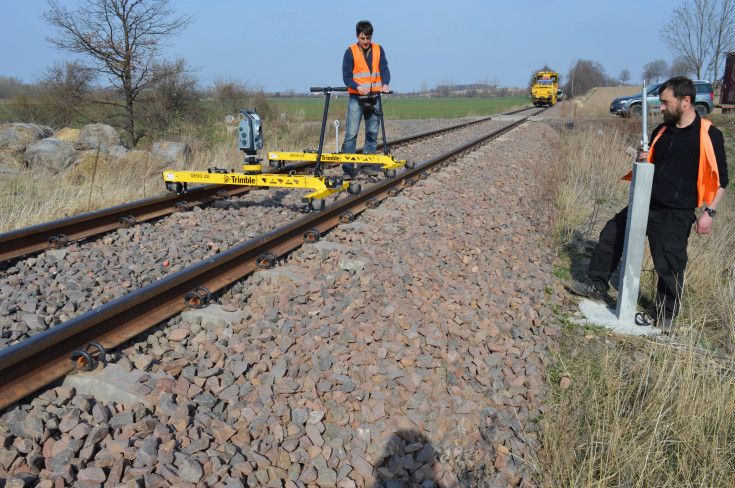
(635, 233)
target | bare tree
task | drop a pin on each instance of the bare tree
(624, 76)
(445, 88)
(10, 86)
(680, 67)
(655, 69)
(585, 74)
(122, 37)
(721, 35)
(702, 32)
(67, 87)
(234, 96)
(686, 32)
(171, 95)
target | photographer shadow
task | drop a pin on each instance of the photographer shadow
(409, 460)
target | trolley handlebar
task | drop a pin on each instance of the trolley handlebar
(315, 89)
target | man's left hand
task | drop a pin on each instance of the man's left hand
(384, 89)
(703, 224)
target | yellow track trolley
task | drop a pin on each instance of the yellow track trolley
(251, 140)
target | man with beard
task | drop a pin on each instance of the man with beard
(690, 171)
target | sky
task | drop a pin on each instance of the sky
(280, 45)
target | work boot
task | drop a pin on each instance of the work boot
(666, 325)
(588, 288)
(348, 176)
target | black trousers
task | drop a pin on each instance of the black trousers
(668, 232)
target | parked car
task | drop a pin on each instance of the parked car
(631, 106)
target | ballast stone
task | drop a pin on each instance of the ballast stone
(283, 273)
(353, 264)
(112, 383)
(332, 246)
(212, 316)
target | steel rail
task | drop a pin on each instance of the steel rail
(27, 240)
(39, 360)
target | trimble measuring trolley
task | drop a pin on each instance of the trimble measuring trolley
(251, 140)
(370, 103)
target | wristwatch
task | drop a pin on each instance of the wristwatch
(710, 211)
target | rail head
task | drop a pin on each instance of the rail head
(29, 365)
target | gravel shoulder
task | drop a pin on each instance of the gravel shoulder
(408, 348)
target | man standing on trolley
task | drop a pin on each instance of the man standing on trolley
(365, 71)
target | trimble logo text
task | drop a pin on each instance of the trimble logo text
(244, 180)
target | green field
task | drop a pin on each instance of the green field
(403, 108)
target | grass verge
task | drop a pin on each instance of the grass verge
(402, 108)
(627, 411)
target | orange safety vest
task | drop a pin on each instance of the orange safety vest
(362, 75)
(708, 178)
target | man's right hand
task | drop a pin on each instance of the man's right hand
(363, 90)
(641, 155)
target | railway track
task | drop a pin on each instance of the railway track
(61, 232)
(26, 365)
(43, 358)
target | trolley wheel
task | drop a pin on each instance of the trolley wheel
(174, 186)
(354, 188)
(410, 164)
(390, 173)
(317, 205)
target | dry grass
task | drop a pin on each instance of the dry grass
(596, 103)
(641, 413)
(577, 194)
(33, 197)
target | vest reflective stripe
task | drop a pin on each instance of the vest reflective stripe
(708, 177)
(364, 76)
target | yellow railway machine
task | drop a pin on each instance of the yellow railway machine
(251, 140)
(387, 162)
